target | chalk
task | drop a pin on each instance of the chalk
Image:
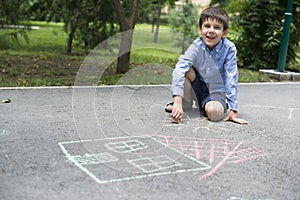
(148, 165)
(221, 163)
(277, 107)
(176, 121)
(6, 101)
(3, 132)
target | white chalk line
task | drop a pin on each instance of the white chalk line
(277, 107)
(152, 161)
(181, 153)
(3, 133)
(95, 178)
(70, 158)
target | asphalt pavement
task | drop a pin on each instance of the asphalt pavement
(118, 143)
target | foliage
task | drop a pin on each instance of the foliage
(126, 21)
(98, 24)
(89, 22)
(221, 3)
(259, 25)
(86, 22)
(145, 14)
(42, 63)
(11, 15)
(185, 21)
(294, 39)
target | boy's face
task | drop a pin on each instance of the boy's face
(212, 31)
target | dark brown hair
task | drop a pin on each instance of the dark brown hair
(214, 13)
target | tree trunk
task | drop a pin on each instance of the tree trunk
(69, 43)
(126, 38)
(153, 24)
(124, 52)
(153, 21)
(155, 39)
(70, 39)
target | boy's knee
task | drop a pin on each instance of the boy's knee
(190, 75)
(214, 111)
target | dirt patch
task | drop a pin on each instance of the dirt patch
(38, 70)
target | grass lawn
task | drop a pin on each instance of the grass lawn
(43, 62)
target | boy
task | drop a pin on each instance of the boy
(209, 67)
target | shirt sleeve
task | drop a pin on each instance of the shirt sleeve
(185, 61)
(231, 79)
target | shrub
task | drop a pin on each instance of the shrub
(185, 22)
(260, 24)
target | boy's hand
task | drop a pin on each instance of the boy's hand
(233, 116)
(177, 110)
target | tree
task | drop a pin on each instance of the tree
(158, 6)
(12, 15)
(71, 17)
(88, 21)
(221, 3)
(126, 23)
(97, 24)
(69, 11)
(185, 21)
(259, 24)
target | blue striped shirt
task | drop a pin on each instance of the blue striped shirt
(217, 67)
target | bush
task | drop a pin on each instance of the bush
(260, 24)
(185, 21)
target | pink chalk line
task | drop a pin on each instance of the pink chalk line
(222, 162)
(204, 148)
(200, 148)
(246, 154)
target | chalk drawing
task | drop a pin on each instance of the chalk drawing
(246, 154)
(126, 146)
(197, 124)
(236, 198)
(239, 198)
(214, 151)
(153, 164)
(89, 159)
(214, 169)
(121, 159)
(210, 149)
(3, 132)
(274, 107)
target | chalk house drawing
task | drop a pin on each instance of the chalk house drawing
(89, 159)
(127, 158)
(126, 146)
(153, 164)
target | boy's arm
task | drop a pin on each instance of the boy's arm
(231, 84)
(178, 77)
(233, 116)
(177, 110)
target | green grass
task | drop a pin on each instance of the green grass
(43, 62)
(148, 66)
(143, 38)
(246, 76)
(50, 40)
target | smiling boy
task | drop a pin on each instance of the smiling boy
(207, 72)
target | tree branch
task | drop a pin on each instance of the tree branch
(133, 11)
